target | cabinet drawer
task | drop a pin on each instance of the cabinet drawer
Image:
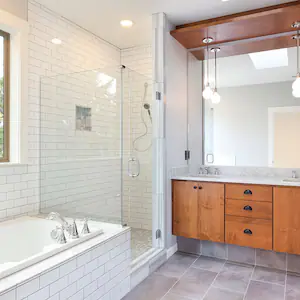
(249, 192)
(250, 209)
(248, 232)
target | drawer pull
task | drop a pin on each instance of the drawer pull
(248, 192)
(200, 187)
(248, 231)
(248, 207)
(195, 187)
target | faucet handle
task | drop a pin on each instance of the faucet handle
(200, 171)
(217, 171)
(86, 229)
(58, 235)
(294, 174)
(73, 232)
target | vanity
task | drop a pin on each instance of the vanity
(228, 210)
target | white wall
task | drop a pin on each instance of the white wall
(176, 115)
(241, 121)
(15, 7)
(138, 191)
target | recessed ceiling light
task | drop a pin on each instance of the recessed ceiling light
(56, 41)
(126, 23)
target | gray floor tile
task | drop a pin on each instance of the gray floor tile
(153, 288)
(177, 265)
(238, 268)
(171, 296)
(292, 287)
(269, 275)
(194, 284)
(209, 248)
(293, 263)
(209, 263)
(241, 254)
(219, 294)
(232, 279)
(271, 259)
(264, 291)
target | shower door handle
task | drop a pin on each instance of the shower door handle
(130, 162)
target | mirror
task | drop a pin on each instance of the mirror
(257, 122)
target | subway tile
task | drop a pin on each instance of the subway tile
(27, 289)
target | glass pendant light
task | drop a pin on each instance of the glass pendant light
(296, 83)
(207, 92)
(215, 98)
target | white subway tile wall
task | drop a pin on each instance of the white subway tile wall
(102, 273)
(138, 191)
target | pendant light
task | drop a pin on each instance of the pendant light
(215, 98)
(296, 84)
(207, 92)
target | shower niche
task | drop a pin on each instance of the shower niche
(83, 118)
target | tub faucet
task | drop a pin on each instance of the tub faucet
(70, 228)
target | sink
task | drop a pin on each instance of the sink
(291, 180)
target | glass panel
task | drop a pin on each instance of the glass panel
(81, 145)
(1, 97)
(138, 160)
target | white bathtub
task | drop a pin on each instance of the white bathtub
(26, 241)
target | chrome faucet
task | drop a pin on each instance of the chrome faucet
(206, 171)
(86, 229)
(70, 228)
(294, 174)
(217, 171)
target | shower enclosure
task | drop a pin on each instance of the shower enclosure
(96, 150)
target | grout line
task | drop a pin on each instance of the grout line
(268, 282)
(249, 282)
(212, 284)
(179, 278)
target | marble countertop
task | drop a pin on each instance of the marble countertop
(239, 179)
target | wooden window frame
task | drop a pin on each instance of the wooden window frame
(6, 100)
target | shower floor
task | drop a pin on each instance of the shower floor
(141, 242)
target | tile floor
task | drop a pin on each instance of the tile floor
(141, 242)
(187, 277)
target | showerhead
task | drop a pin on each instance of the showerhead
(147, 106)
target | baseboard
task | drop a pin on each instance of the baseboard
(172, 250)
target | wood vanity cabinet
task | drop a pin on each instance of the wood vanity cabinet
(256, 216)
(287, 219)
(198, 210)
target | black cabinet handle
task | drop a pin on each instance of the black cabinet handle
(248, 231)
(248, 207)
(195, 187)
(200, 187)
(248, 192)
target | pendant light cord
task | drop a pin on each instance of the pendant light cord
(216, 69)
(298, 71)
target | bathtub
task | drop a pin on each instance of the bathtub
(26, 241)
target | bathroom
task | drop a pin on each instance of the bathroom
(133, 165)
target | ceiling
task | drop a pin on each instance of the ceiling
(102, 17)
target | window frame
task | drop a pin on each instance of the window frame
(6, 98)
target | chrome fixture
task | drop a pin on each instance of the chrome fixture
(294, 174)
(58, 235)
(200, 171)
(86, 229)
(206, 171)
(70, 228)
(217, 171)
(215, 98)
(207, 92)
(296, 84)
(147, 107)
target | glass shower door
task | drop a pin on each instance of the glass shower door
(137, 158)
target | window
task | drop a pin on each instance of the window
(4, 96)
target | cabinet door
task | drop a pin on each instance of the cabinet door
(185, 209)
(211, 211)
(286, 219)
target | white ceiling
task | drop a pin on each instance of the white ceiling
(102, 17)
